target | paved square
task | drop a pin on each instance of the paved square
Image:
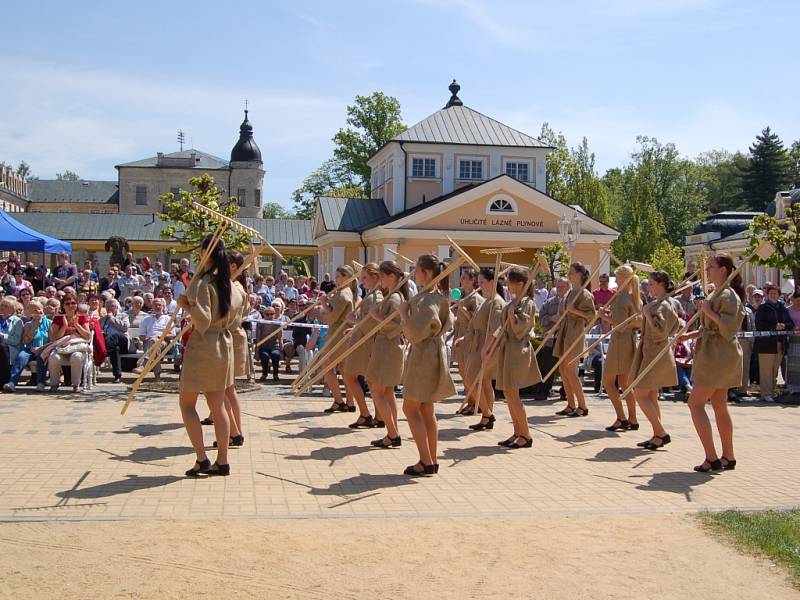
(74, 457)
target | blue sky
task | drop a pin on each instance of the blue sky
(87, 85)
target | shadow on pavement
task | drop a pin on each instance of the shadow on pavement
(130, 484)
(363, 483)
(318, 433)
(463, 454)
(148, 429)
(677, 482)
(330, 453)
(150, 453)
(619, 454)
(587, 435)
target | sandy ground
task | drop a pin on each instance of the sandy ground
(636, 556)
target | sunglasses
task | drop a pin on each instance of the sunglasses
(70, 303)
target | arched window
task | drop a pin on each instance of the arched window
(502, 205)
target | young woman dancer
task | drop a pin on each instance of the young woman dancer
(622, 347)
(660, 322)
(208, 362)
(579, 306)
(516, 365)
(484, 322)
(356, 364)
(240, 352)
(717, 363)
(338, 306)
(470, 302)
(385, 369)
(426, 379)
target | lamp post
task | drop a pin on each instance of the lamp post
(570, 230)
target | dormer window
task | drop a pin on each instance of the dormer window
(469, 168)
(423, 167)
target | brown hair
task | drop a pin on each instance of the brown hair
(431, 262)
(389, 267)
(472, 274)
(518, 275)
(662, 277)
(371, 269)
(725, 261)
(237, 259)
(584, 272)
(347, 271)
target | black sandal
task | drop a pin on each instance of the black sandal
(729, 465)
(467, 411)
(633, 426)
(207, 421)
(349, 408)
(362, 422)
(484, 423)
(584, 412)
(424, 472)
(395, 442)
(379, 424)
(220, 470)
(200, 468)
(566, 412)
(713, 465)
(619, 425)
(664, 441)
(336, 407)
(505, 443)
(528, 443)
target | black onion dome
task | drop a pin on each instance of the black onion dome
(246, 149)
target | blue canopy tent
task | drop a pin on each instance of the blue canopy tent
(21, 238)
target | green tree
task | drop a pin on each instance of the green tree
(668, 258)
(794, 157)
(721, 175)
(372, 121)
(557, 161)
(583, 187)
(24, 169)
(558, 260)
(187, 226)
(67, 176)
(640, 221)
(332, 179)
(273, 210)
(768, 171)
(783, 236)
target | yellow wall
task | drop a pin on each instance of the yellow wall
(417, 188)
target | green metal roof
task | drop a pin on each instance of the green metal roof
(147, 228)
(84, 191)
(351, 214)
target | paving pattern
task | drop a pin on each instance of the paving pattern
(75, 457)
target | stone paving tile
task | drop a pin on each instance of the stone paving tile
(75, 457)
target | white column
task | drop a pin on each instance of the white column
(338, 257)
(605, 263)
(448, 173)
(443, 252)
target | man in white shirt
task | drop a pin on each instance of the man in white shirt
(171, 303)
(540, 294)
(151, 330)
(129, 282)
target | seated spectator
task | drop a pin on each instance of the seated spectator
(136, 313)
(50, 291)
(289, 290)
(96, 308)
(313, 289)
(69, 336)
(10, 337)
(129, 282)
(152, 328)
(25, 297)
(269, 351)
(327, 285)
(51, 308)
(148, 285)
(87, 284)
(169, 301)
(115, 331)
(35, 335)
(302, 286)
(148, 302)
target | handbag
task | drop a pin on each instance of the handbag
(74, 347)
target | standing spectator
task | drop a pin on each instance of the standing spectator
(115, 331)
(20, 283)
(65, 274)
(683, 363)
(86, 284)
(39, 279)
(547, 318)
(184, 272)
(644, 288)
(748, 325)
(35, 335)
(794, 310)
(130, 261)
(602, 294)
(87, 266)
(129, 282)
(7, 283)
(269, 351)
(770, 316)
(13, 262)
(540, 294)
(327, 285)
(686, 302)
(160, 277)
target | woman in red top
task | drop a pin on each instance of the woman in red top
(69, 323)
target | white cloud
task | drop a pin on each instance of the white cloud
(88, 120)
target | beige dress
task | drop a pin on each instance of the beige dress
(572, 326)
(516, 365)
(654, 338)
(341, 304)
(717, 353)
(240, 348)
(387, 359)
(208, 361)
(472, 304)
(484, 322)
(358, 361)
(426, 377)
(622, 347)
